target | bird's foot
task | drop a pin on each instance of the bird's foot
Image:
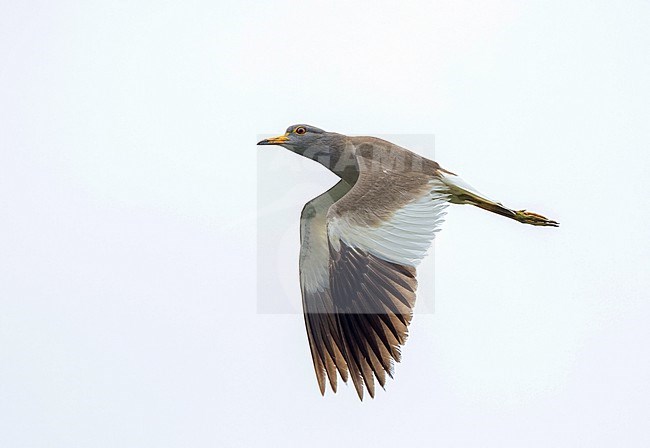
(534, 219)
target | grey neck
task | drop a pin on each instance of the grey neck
(336, 153)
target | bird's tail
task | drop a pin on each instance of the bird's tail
(463, 193)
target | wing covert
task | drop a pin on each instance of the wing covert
(378, 233)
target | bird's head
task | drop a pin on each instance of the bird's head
(300, 138)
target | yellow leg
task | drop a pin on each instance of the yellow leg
(534, 219)
(463, 193)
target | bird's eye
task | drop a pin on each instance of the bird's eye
(300, 130)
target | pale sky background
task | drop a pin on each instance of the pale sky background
(128, 220)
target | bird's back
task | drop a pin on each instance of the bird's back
(384, 155)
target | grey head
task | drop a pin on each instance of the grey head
(334, 151)
(306, 140)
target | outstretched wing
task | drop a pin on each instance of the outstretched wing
(378, 233)
(319, 311)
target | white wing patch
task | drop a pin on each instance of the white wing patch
(405, 238)
(314, 257)
(314, 248)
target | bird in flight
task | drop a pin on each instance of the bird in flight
(361, 242)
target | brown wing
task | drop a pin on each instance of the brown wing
(319, 311)
(374, 300)
(378, 233)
